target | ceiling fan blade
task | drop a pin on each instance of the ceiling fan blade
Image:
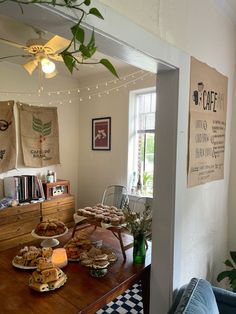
(31, 66)
(12, 43)
(57, 43)
(56, 57)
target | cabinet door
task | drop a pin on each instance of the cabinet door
(61, 208)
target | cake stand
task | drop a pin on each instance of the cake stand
(49, 241)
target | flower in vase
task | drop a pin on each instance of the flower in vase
(138, 222)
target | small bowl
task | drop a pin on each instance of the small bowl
(98, 272)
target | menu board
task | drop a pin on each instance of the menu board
(207, 123)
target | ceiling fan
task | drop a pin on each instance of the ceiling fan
(41, 51)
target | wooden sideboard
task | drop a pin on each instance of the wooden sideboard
(16, 223)
(61, 208)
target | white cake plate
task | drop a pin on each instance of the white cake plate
(49, 241)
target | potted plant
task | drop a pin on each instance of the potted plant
(147, 177)
(230, 274)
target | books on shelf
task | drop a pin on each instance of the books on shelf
(24, 188)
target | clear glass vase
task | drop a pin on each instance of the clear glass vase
(139, 248)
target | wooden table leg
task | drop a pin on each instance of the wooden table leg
(121, 244)
(145, 282)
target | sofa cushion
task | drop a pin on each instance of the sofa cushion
(198, 298)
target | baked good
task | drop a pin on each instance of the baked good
(103, 213)
(50, 228)
(99, 217)
(50, 274)
(76, 246)
(47, 252)
(37, 276)
(112, 258)
(47, 279)
(19, 260)
(41, 287)
(34, 262)
(100, 264)
(44, 264)
(58, 283)
(101, 257)
(87, 262)
(115, 221)
(98, 258)
(30, 256)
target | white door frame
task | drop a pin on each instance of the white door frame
(117, 36)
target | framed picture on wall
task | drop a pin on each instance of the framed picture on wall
(101, 133)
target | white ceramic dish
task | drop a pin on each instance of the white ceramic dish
(23, 267)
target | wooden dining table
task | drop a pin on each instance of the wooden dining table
(82, 293)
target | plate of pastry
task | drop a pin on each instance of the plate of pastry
(75, 246)
(29, 257)
(47, 277)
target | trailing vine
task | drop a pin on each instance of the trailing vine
(78, 44)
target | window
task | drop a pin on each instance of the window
(141, 141)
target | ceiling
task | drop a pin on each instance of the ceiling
(16, 31)
(229, 8)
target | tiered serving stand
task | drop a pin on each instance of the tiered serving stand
(49, 241)
(116, 230)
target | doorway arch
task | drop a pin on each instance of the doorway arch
(119, 37)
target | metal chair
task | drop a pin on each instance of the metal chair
(115, 195)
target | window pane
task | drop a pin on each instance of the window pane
(149, 152)
(153, 102)
(150, 121)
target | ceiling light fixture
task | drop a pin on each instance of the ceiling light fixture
(48, 66)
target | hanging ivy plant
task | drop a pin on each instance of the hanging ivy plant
(78, 44)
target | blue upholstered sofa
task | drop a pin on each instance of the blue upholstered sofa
(199, 297)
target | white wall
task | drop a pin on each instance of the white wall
(97, 169)
(202, 30)
(14, 78)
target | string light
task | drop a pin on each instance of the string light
(88, 88)
(136, 76)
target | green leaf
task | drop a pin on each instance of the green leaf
(233, 285)
(84, 51)
(87, 2)
(69, 61)
(92, 40)
(223, 275)
(109, 66)
(78, 33)
(233, 256)
(94, 11)
(228, 263)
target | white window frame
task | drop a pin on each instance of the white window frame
(132, 127)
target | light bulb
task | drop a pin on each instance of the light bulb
(47, 66)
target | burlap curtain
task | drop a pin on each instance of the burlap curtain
(7, 136)
(39, 135)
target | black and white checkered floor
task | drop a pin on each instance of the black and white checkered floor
(128, 302)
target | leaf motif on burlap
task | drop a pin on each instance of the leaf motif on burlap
(43, 128)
